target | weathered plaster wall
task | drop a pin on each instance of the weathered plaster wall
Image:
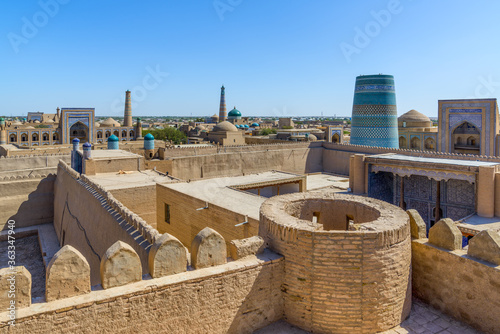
(98, 225)
(459, 285)
(289, 159)
(186, 221)
(111, 165)
(238, 297)
(27, 201)
(27, 163)
(140, 200)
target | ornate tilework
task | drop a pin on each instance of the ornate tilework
(465, 110)
(473, 119)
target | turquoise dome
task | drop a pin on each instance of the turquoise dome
(149, 137)
(113, 138)
(234, 113)
(246, 126)
(255, 124)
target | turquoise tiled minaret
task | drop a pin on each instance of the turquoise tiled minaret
(222, 107)
(374, 112)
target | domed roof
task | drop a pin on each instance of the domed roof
(224, 126)
(312, 137)
(113, 138)
(413, 116)
(255, 124)
(215, 116)
(149, 137)
(246, 126)
(200, 127)
(37, 121)
(234, 113)
(49, 121)
(17, 123)
(29, 127)
(110, 123)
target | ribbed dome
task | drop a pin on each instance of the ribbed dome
(109, 123)
(224, 126)
(414, 119)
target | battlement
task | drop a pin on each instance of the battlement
(462, 281)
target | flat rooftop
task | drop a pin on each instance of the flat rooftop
(454, 162)
(220, 191)
(476, 224)
(113, 181)
(111, 154)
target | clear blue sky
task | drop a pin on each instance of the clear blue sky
(276, 58)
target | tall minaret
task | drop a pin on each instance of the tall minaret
(3, 131)
(127, 118)
(58, 110)
(222, 108)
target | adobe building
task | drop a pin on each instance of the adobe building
(243, 237)
(416, 132)
(226, 134)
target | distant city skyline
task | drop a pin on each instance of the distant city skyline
(276, 59)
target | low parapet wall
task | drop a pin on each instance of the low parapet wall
(28, 162)
(238, 297)
(461, 282)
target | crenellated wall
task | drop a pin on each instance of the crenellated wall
(91, 220)
(461, 282)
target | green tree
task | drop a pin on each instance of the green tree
(267, 132)
(167, 134)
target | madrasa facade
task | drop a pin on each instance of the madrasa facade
(66, 124)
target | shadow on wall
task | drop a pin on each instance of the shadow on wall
(37, 209)
(314, 159)
(263, 294)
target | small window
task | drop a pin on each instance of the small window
(315, 218)
(167, 213)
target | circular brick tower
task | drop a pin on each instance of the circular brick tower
(374, 112)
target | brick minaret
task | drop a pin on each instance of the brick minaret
(222, 108)
(127, 118)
